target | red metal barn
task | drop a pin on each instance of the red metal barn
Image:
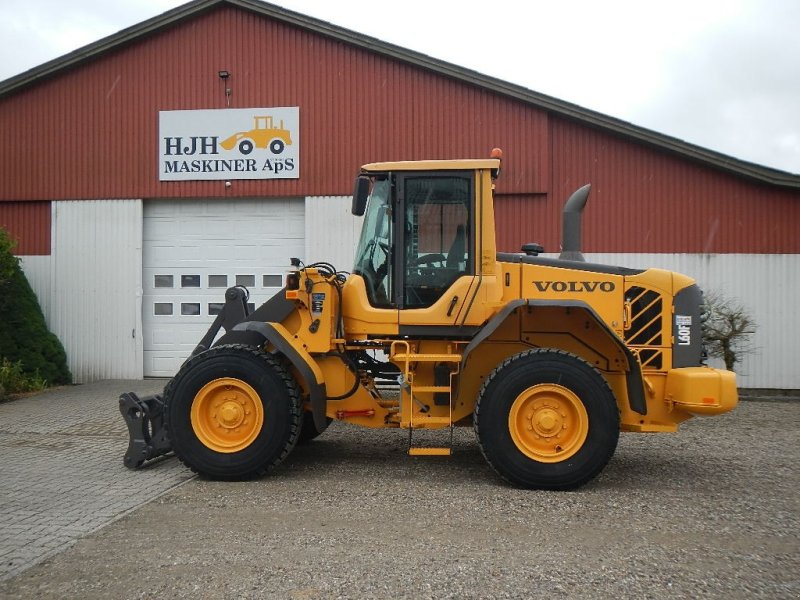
(132, 219)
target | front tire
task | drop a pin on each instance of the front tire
(546, 419)
(232, 412)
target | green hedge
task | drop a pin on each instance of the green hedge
(24, 337)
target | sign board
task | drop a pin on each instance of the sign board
(233, 143)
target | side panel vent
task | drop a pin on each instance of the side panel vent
(646, 332)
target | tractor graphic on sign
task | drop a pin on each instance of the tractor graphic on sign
(263, 135)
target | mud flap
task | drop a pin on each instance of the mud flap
(147, 436)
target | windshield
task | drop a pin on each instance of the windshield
(373, 260)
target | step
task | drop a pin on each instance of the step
(429, 451)
(413, 357)
(431, 388)
(420, 420)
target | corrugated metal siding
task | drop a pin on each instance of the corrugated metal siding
(520, 219)
(96, 308)
(765, 284)
(92, 132)
(29, 224)
(648, 201)
(331, 231)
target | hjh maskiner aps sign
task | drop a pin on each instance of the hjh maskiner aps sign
(241, 143)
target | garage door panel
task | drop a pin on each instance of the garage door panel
(172, 337)
(160, 229)
(193, 251)
(220, 228)
(163, 362)
(175, 256)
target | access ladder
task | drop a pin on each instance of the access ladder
(418, 413)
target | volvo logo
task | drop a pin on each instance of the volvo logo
(574, 286)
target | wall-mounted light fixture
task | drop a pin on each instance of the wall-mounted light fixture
(224, 75)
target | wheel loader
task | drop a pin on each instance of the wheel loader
(548, 359)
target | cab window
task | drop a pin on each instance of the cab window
(436, 240)
(373, 254)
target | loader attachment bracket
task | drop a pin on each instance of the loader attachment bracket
(147, 435)
(233, 312)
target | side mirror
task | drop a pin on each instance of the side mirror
(360, 195)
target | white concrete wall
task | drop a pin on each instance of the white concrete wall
(767, 285)
(94, 305)
(331, 231)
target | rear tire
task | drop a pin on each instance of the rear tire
(232, 412)
(546, 419)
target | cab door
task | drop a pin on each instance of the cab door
(434, 262)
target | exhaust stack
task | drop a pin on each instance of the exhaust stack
(571, 227)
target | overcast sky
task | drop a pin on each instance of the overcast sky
(723, 74)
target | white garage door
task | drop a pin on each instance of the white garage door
(193, 251)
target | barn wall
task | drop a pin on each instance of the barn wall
(28, 224)
(100, 121)
(643, 200)
(95, 305)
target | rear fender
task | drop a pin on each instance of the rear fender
(633, 373)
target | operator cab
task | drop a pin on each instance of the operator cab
(416, 240)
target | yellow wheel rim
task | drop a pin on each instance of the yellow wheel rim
(227, 415)
(548, 423)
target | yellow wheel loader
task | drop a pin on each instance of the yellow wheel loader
(547, 358)
(264, 134)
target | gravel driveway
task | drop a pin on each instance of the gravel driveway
(709, 512)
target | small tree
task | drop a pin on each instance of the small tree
(728, 328)
(28, 350)
(8, 262)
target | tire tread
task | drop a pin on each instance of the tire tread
(496, 372)
(292, 389)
